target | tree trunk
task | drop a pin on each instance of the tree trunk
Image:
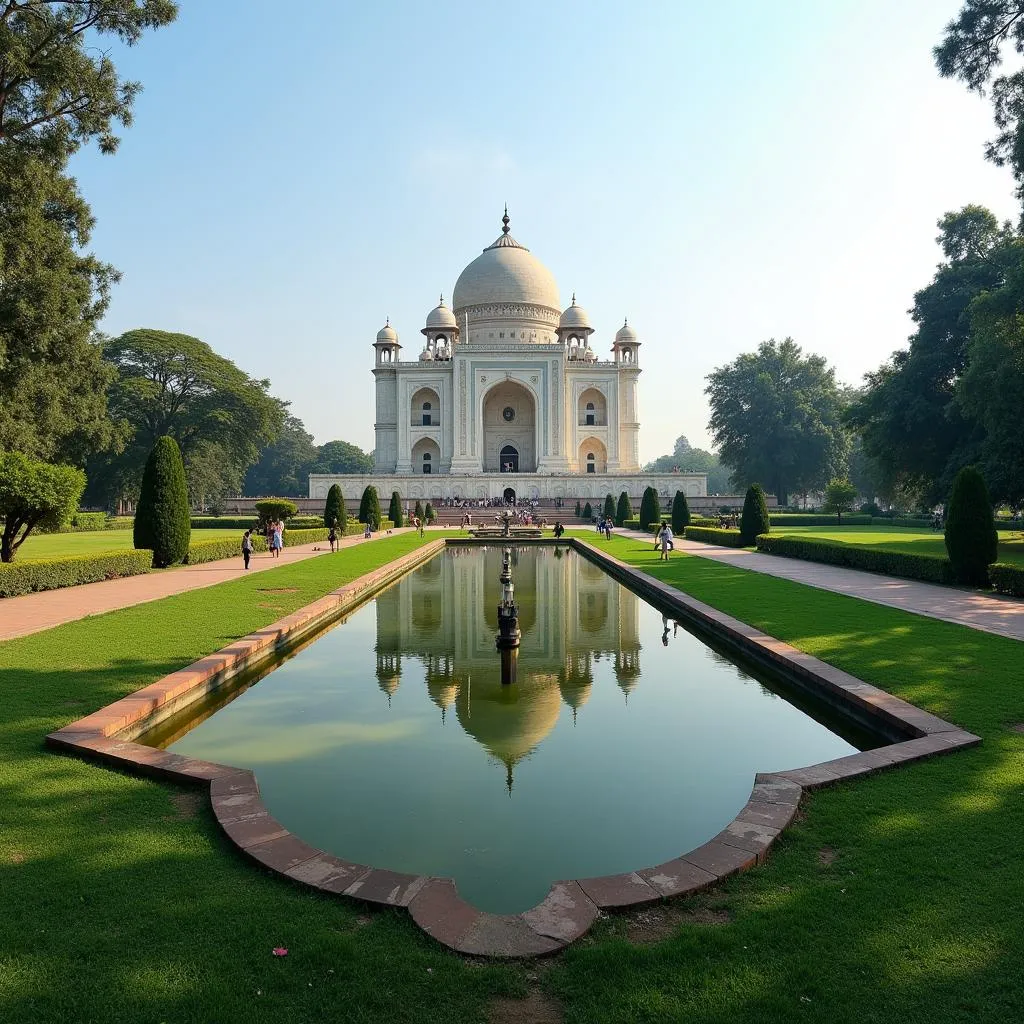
(6, 547)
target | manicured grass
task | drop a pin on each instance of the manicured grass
(914, 542)
(61, 545)
(895, 898)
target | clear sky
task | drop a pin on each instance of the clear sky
(719, 173)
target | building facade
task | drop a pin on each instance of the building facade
(507, 396)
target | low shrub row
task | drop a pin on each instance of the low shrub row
(293, 538)
(1007, 579)
(200, 551)
(120, 523)
(86, 521)
(249, 522)
(931, 568)
(26, 577)
(709, 535)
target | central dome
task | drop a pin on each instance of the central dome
(506, 272)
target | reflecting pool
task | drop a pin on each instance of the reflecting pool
(626, 740)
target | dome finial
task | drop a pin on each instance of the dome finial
(574, 298)
(504, 221)
(387, 321)
(441, 303)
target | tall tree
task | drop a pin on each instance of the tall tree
(58, 91)
(972, 50)
(34, 494)
(176, 385)
(776, 416)
(687, 459)
(341, 457)
(162, 520)
(284, 466)
(912, 422)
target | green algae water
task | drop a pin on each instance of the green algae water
(625, 741)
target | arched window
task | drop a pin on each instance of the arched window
(590, 414)
(426, 417)
(426, 462)
(591, 464)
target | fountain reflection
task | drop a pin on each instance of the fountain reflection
(439, 624)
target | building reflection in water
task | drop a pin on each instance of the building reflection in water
(437, 625)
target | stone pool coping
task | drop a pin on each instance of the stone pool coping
(571, 906)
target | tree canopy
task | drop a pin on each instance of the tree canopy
(972, 50)
(776, 416)
(34, 494)
(341, 457)
(688, 459)
(953, 397)
(59, 90)
(176, 385)
(284, 465)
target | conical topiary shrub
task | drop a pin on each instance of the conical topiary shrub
(754, 520)
(369, 508)
(609, 507)
(395, 509)
(162, 517)
(429, 515)
(579, 511)
(588, 512)
(334, 509)
(649, 508)
(624, 510)
(971, 539)
(680, 513)
(418, 510)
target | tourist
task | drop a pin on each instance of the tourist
(367, 532)
(559, 530)
(247, 547)
(332, 537)
(608, 529)
(277, 539)
(665, 540)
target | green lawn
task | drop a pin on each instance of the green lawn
(94, 542)
(895, 898)
(914, 542)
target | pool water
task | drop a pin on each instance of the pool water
(625, 741)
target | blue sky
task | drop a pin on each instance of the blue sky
(719, 173)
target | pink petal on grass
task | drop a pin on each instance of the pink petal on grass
(280, 951)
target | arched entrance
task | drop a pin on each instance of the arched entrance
(509, 421)
(508, 459)
(509, 494)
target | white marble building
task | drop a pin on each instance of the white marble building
(507, 397)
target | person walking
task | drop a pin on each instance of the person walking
(246, 547)
(278, 538)
(665, 538)
(332, 536)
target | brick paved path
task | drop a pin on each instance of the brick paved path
(30, 613)
(987, 612)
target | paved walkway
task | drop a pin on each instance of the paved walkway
(31, 613)
(990, 613)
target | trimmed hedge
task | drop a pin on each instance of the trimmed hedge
(249, 523)
(27, 577)
(1007, 579)
(930, 568)
(292, 538)
(815, 519)
(709, 535)
(121, 523)
(200, 551)
(89, 521)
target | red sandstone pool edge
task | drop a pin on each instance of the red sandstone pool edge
(570, 907)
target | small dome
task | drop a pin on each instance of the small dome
(387, 334)
(574, 318)
(441, 318)
(625, 333)
(426, 356)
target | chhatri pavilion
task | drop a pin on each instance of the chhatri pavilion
(507, 397)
